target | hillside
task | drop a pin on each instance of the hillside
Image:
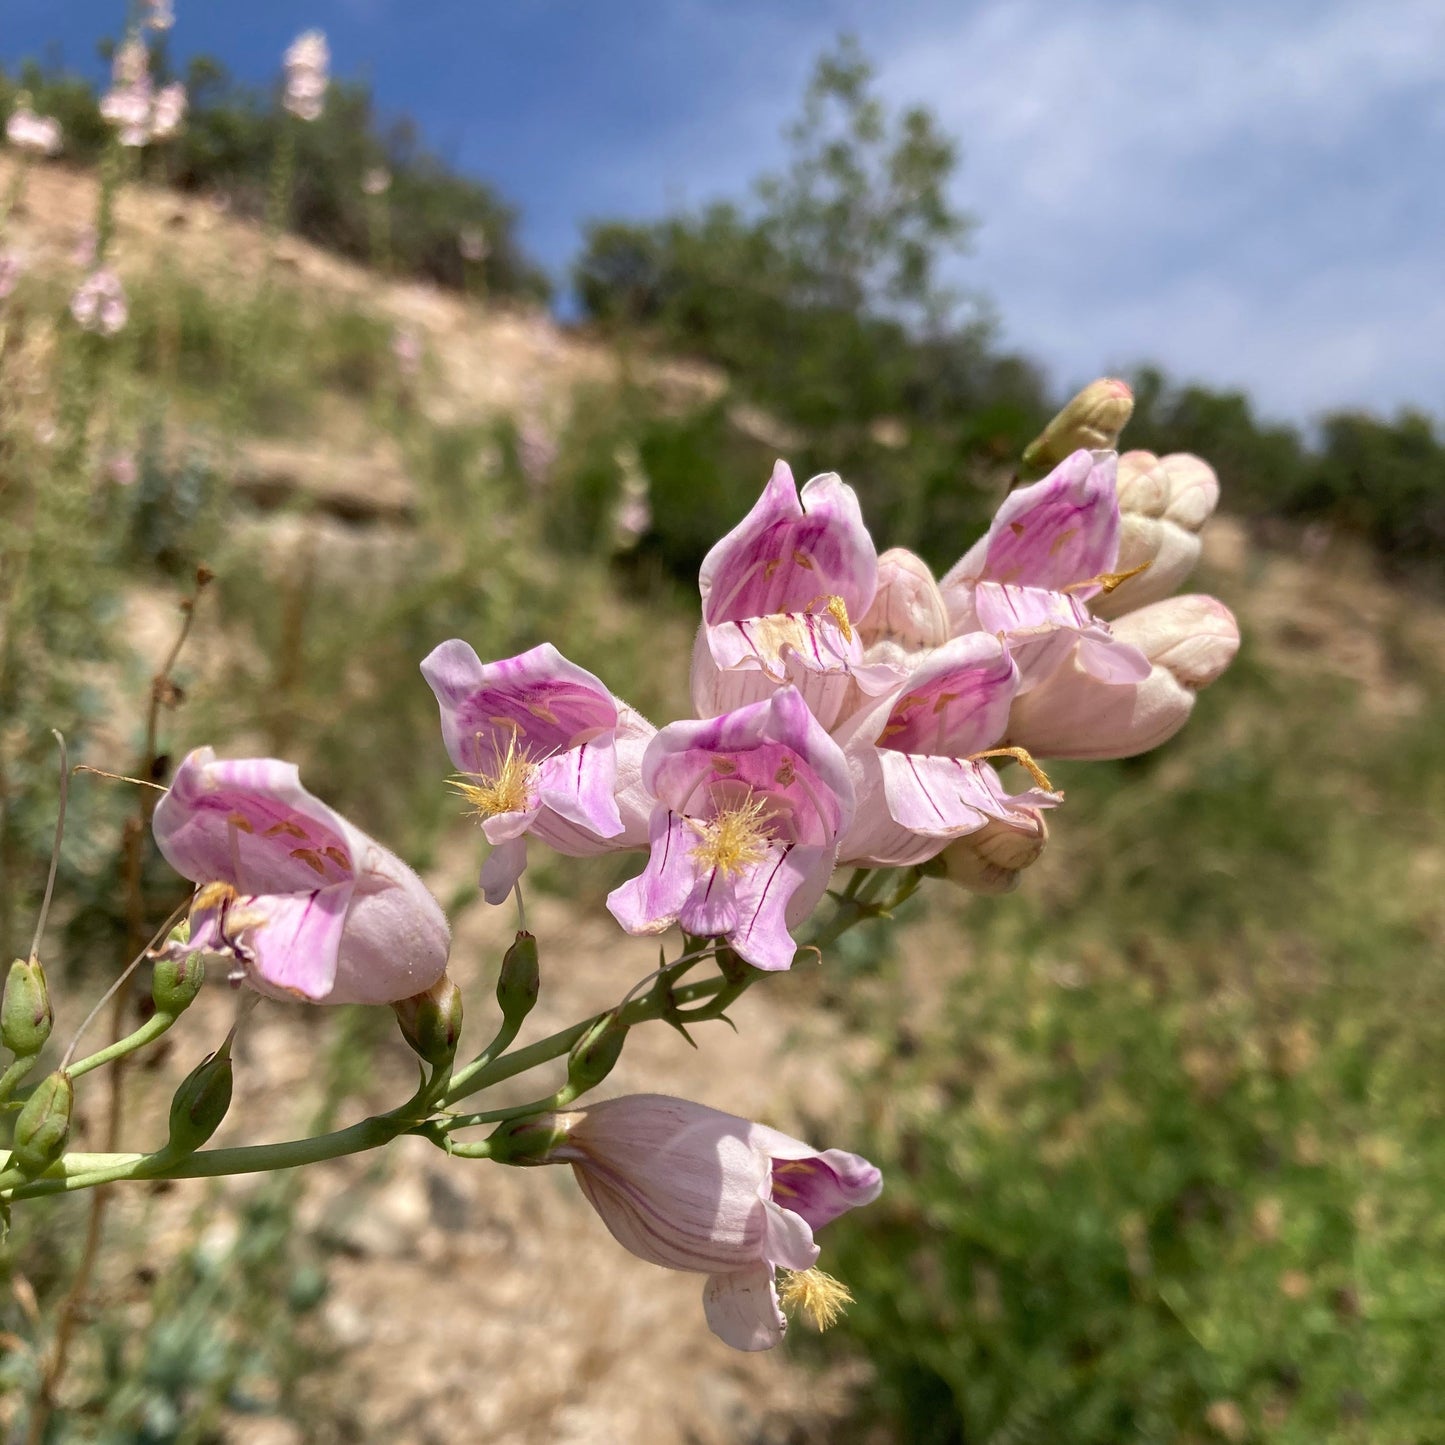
(366, 520)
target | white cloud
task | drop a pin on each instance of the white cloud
(1234, 191)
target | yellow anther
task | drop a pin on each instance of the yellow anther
(839, 610)
(1023, 758)
(1106, 582)
(212, 895)
(818, 1297)
(734, 838)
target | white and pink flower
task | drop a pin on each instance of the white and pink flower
(919, 759)
(691, 1188)
(542, 748)
(39, 135)
(779, 595)
(307, 65)
(750, 807)
(1050, 548)
(303, 903)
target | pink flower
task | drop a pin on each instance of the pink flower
(1046, 552)
(544, 748)
(916, 758)
(691, 1188)
(303, 901)
(1188, 642)
(160, 15)
(376, 181)
(38, 134)
(99, 303)
(306, 62)
(750, 808)
(779, 595)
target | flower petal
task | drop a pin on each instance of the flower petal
(742, 1308)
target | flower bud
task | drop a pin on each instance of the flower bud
(431, 1022)
(25, 1013)
(201, 1102)
(907, 609)
(528, 1140)
(43, 1125)
(992, 859)
(595, 1054)
(177, 976)
(520, 978)
(1093, 419)
(1163, 502)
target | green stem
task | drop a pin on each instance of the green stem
(147, 1033)
(712, 997)
(472, 1079)
(17, 1070)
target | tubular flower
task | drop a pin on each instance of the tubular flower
(918, 759)
(1051, 547)
(750, 807)
(1188, 642)
(691, 1188)
(908, 613)
(779, 596)
(300, 899)
(542, 747)
(1163, 503)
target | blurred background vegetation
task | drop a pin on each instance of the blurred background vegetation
(1162, 1131)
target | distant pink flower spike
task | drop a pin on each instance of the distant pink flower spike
(543, 748)
(303, 901)
(780, 594)
(912, 757)
(690, 1188)
(750, 808)
(306, 63)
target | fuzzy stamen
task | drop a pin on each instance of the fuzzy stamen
(734, 838)
(506, 789)
(818, 1297)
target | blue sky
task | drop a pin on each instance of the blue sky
(1249, 194)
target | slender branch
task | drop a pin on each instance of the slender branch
(147, 1033)
(41, 921)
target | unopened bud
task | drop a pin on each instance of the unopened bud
(201, 1101)
(1093, 420)
(25, 1013)
(431, 1022)
(595, 1054)
(43, 1125)
(1163, 502)
(528, 1140)
(992, 859)
(520, 979)
(907, 609)
(177, 976)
